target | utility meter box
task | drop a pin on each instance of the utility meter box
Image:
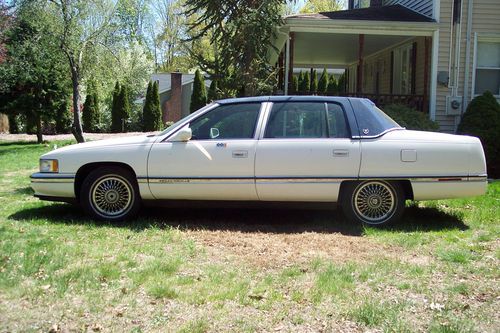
(453, 105)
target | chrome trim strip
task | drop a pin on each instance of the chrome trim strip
(378, 135)
(52, 180)
(300, 180)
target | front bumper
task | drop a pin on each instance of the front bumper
(53, 186)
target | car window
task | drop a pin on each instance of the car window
(371, 120)
(297, 120)
(234, 121)
(337, 124)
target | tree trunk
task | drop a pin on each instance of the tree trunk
(77, 124)
(39, 134)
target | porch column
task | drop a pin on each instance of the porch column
(361, 46)
(287, 64)
(427, 55)
(434, 71)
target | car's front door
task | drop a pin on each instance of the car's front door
(305, 153)
(216, 164)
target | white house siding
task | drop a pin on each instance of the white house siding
(485, 21)
(421, 6)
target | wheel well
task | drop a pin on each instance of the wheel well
(86, 169)
(406, 184)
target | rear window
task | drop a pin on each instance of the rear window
(371, 120)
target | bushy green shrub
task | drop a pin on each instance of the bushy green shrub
(314, 82)
(116, 121)
(91, 113)
(323, 83)
(332, 88)
(151, 113)
(341, 89)
(199, 95)
(410, 118)
(482, 119)
(295, 84)
(305, 84)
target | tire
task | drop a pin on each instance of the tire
(373, 202)
(110, 194)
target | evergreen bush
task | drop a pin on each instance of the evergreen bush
(305, 84)
(295, 85)
(199, 95)
(482, 119)
(212, 92)
(91, 113)
(314, 82)
(332, 89)
(323, 83)
(151, 113)
(341, 89)
(125, 107)
(116, 120)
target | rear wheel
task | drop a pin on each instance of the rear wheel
(110, 194)
(373, 202)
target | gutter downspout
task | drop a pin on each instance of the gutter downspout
(465, 101)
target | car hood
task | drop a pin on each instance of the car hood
(121, 141)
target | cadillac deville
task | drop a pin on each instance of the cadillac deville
(269, 149)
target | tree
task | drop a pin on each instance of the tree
(314, 82)
(317, 6)
(63, 118)
(90, 112)
(332, 86)
(213, 94)
(295, 84)
(300, 82)
(199, 95)
(341, 85)
(116, 120)
(151, 111)
(305, 85)
(33, 80)
(80, 27)
(242, 31)
(124, 110)
(323, 83)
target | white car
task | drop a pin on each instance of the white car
(274, 149)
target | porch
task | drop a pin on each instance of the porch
(388, 60)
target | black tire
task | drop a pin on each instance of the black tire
(110, 194)
(373, 202)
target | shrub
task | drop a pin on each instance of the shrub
(151, 113)
(295, 84)
(341, 84)
(305, 84)
(410, 118)
(482, 119)
(300, 83)
(90, 112)
(323, 83)
(125, 106)
(332, 88)
(314, 82)
(116, 121)
(213, 94)
(63, 118)
(199, 95)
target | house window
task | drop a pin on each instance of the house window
(487, 67)
(402, 70)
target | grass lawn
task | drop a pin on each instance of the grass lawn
(243, 270)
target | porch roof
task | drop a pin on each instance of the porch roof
(385, 13)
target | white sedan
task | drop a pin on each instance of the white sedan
(269, 149)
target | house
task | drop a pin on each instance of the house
(175, 91)
(434, 55)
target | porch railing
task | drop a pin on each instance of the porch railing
(417, 102)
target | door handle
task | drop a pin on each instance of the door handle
(340, 153)
(240, 154)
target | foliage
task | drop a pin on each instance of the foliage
(410, 118)
(323, 83)
(63, 118)
(305, 84)
(152, 117)
(317, 6)
(482, 119)
(34, 81)
(91, 112)
(341, 84)
(295, 84)
(332, 88)
(314, 82)
(243, 31)
(213, 93)
(116, 120)
(199, 95)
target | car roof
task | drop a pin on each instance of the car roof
(295, 98)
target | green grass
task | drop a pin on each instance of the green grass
(436, 271)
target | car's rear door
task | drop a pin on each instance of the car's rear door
(216, 164)
(305, 152)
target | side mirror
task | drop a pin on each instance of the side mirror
(183, 135)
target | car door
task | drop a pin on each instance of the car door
(305, 152)
(216, 164)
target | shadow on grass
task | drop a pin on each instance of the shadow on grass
(247, 220)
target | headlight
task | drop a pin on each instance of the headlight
(49, 166)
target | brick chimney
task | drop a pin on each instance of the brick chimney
(173, 109)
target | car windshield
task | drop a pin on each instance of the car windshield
(371, 120)
(191, 116)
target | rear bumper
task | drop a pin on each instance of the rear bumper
(54, 187)
(449, 188)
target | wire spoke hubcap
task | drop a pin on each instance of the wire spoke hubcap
(374, 202)
(111, 196)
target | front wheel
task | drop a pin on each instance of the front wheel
(373, 202)
(110, 194)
